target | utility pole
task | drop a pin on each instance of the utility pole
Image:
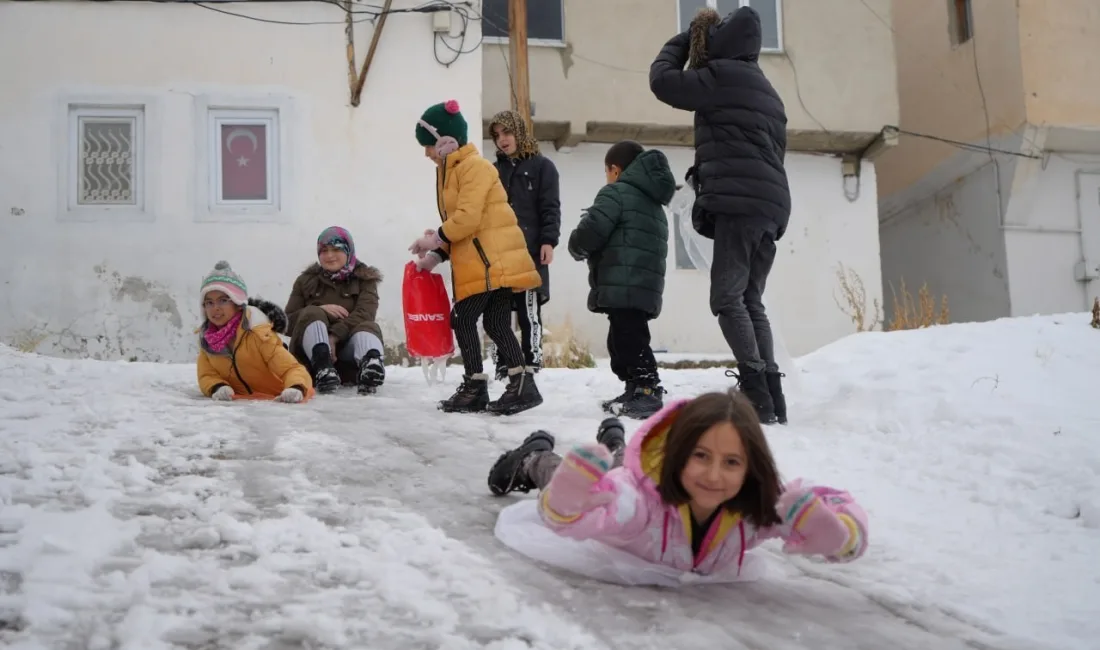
(517, 44)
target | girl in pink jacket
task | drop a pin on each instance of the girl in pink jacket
(694, 490)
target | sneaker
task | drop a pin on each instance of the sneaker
(644, 402)
(509, 473)
(372, 373)
(520, 395)
(472, 396)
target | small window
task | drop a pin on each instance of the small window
(106, 158)
(244, 171)
(545, 21)
(960, 21)
(771, 17)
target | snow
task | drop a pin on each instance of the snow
(136, 514)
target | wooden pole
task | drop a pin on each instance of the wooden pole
(349, 29)
(517, 44)
(358, 91)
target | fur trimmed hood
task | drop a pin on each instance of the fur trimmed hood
(274, 314)
(737, 36)
(362, 272)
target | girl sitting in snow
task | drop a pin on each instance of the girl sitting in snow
(332, 310)
(694, 490)
(240, 352)
(489, 261)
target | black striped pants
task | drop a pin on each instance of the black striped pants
(494, 308)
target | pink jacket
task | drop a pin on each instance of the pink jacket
(638, 522)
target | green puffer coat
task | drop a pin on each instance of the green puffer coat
(624, 237)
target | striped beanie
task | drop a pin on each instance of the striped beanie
(223, 279)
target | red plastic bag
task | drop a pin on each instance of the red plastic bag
(427, 314)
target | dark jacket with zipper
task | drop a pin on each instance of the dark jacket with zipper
(358, 294)
(624, 237)
(740, 123)
(533, 192)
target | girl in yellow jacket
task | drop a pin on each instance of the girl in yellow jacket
(240, 355)
(489, 260)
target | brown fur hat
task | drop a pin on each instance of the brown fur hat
(699, 30)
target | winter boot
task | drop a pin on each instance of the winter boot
(325, 377)
(520, 395)
(372, 373)
(509, 473)
(644, 402)
(779, 401)
(611, 435)
(615, 405)
(754, 385)
(471, 397)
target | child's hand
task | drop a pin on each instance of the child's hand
(290, 396)
(428, 261)
(429, 241)
(570, 490)
(814, 528)
(223, 394)
(546, 254)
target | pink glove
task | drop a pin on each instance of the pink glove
(815, 526)
(428, 261)
(569, 494)
(429, 241)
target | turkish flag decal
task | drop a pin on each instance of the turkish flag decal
(244, 162)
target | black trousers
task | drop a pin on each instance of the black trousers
(528, 309)
(494, 308)
(743, 257)
(628, 344)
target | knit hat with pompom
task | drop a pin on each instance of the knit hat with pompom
(223, 279)
(444, 118)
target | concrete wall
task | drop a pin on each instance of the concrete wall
(837, 68)
(1060, 52)
(826, 231)
(121, 286)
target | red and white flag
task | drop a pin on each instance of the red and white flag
(244, 162)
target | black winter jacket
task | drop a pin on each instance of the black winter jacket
(740, 125)
(533, 193)
(624, 237)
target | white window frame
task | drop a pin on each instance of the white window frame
(273, 112)
(713, 4)
(144, 111)
(535, 42)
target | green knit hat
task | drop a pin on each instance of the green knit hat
(446, 119)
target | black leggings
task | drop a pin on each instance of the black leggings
(494, 308)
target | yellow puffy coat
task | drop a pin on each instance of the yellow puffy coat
(255, 362)
(484, 242)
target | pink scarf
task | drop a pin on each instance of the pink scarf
(217, 338)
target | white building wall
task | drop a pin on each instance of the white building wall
(826, 230)
(124, 285)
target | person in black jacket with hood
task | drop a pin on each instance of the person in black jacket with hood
(531, 181)
(742, 199)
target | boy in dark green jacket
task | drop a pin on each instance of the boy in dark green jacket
(624, 237)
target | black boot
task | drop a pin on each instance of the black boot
(509, 472)
(615, 405)
(372, 373)
(325, 377)
(754, 385)
(472, 396)
(644, 402)
(610, 435)
(520, 395)
(779, 401)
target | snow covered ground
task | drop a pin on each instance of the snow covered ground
(136, 515)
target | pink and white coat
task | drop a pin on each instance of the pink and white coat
(637, 521)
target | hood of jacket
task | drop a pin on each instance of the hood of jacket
(650, 173)
(513, 123)
(737, 36)
(362, 272)
(645, 452)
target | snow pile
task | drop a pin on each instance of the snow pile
(136, 514)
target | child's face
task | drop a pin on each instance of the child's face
(332, 259)
(716, 469)
(219, 308)
(613, 173)
(504, 140)
(429, 152)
